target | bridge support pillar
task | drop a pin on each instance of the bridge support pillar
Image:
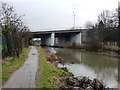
(80, 37)
(52, 39)
(76, 39)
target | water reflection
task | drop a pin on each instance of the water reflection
(91, 64)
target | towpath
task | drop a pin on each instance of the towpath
(25, 76)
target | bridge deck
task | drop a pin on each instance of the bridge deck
(58, 31)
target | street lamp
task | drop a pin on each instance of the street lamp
(73, 20)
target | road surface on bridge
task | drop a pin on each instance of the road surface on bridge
(25, 76)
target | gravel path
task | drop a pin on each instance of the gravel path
(25, 76)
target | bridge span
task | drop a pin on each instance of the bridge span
(60, 37)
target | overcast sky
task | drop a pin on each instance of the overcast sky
(58, 14)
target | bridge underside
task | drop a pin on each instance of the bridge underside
(59, 39)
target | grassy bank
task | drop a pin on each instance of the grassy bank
(48, 76)
(12, 64)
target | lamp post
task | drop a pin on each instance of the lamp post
(73, 20)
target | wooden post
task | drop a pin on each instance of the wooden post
(119, 45)
(119, 26)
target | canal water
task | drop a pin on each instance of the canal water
(90, 64)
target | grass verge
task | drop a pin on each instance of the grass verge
(10, 66)
(48, 76)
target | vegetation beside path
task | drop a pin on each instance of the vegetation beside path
(12, 64)
(48, 76)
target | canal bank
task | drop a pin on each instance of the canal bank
(90, 64)
(49, 76)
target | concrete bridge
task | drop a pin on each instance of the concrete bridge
(60, 37)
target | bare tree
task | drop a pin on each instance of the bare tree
(92, 40)
(109, 19)
(13, 29)
(92, 37)
(107, 25)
